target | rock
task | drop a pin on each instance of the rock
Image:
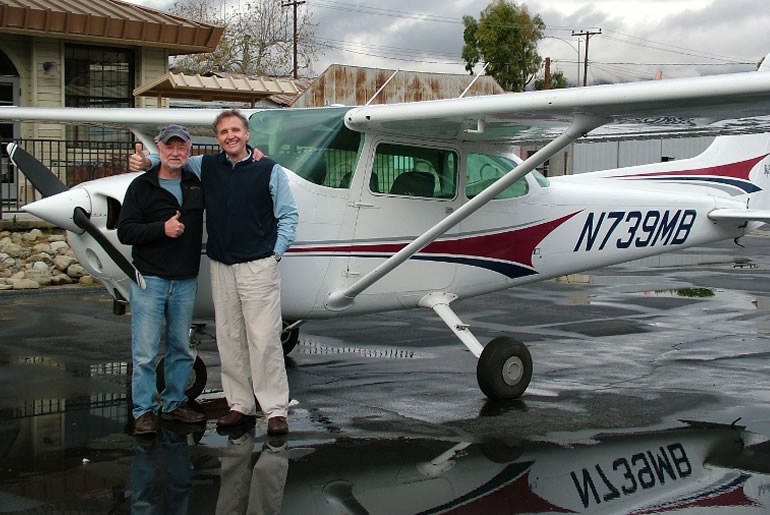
(41, 257)
(41, 277)
(17, 251)
(57, 238)
(24, 284)
(59, 247)
(63, 262)
(42, 247)
(32, 235)
(86, 280)
(60, 279)
(76, 271)
(40, 266)
(7, 262)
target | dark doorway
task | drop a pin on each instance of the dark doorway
(9, 96)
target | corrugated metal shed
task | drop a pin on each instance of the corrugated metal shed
(590, 157)
(108, 21)
(217, 87)
(354, 85)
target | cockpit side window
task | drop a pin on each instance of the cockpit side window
(482, 170)
(414, 171)
(313, 143)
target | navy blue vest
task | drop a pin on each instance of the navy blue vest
(240, 222)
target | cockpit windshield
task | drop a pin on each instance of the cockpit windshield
(313, 143)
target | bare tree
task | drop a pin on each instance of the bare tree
(258, 38)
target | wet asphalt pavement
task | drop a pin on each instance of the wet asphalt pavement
(388, 418)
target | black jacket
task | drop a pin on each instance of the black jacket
(145, 210)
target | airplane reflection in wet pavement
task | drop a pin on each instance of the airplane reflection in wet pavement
(693, 468)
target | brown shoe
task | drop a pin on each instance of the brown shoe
(146, 424)
(183, 413)
(235, 418)
(277, 426)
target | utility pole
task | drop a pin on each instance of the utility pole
(295, 4)
(587, 34)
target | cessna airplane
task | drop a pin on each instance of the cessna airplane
(420, 204)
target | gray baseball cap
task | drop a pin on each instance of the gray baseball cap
(173, 131)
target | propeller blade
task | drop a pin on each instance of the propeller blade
(82, 220)
(43, 179)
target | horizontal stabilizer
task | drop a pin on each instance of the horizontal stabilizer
(749, 215)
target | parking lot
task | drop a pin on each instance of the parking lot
(621, 350)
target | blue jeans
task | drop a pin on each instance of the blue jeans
(173, 301)
(173, 458)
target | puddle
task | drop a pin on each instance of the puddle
(695, 464)
(692, 292)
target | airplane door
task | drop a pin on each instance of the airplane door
(406, 190)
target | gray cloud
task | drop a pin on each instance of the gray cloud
(634, 45)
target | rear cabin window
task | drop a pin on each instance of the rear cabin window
(482, 170)
(414, 171)
(313, 143)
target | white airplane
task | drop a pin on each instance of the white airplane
(420, 204)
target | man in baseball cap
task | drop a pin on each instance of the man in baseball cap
(162, 219)
(173, 131)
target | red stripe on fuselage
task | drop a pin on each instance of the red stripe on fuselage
(739, 170)
(514, 245)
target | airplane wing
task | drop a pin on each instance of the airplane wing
(720, 104)
(735, 103)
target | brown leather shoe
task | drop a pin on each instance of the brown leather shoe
(235, 418)
(146, 424)
(277, 426)
(183, 413)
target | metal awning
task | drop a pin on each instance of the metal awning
(108, 21)
(214, 88)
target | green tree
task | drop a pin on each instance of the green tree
(558, 80)
(505, 36)
(258, 38)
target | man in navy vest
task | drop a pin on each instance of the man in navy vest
(251, 220)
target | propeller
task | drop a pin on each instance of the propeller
(43, 179)
(46, 182)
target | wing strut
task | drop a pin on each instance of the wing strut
(342, 299)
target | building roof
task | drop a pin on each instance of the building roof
(108, 21)
(218, 87)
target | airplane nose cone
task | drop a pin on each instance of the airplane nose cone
(58, 209)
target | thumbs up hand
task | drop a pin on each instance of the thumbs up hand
(174, 228)
(138, 161)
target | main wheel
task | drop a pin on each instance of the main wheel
(289, 338)
(197, 378)
(504, 369)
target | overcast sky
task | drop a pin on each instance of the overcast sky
(638, 39)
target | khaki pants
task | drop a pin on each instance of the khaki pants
(247, 307)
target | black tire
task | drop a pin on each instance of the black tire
(504, 369)
(197, 379)
(289, 339)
